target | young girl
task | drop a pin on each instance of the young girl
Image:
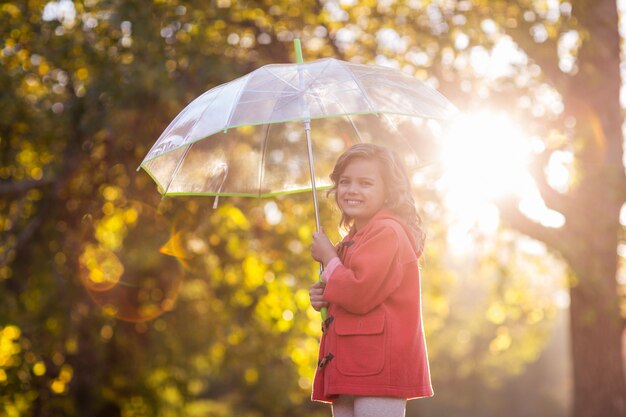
(373, 351)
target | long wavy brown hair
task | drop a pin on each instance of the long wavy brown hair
(399, 198)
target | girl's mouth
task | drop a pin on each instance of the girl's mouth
(353, 202)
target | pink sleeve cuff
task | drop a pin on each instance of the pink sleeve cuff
(328, 271)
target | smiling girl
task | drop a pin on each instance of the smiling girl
(373, 351)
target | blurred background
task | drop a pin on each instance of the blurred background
(115, 302)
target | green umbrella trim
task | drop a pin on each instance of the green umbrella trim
(267, 195)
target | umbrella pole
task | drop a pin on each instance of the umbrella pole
(307, 129)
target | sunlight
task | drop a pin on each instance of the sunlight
(485, 158)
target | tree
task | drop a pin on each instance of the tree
(591, 207)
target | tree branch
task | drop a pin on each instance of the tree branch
(553, 199)
(8, 188)
(552, 237)
(22, 238)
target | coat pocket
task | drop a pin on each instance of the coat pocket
(360, 344)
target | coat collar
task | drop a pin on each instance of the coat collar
(383, 213)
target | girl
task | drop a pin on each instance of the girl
(373, 351)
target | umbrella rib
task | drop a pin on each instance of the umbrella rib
(350, 118)
(326, 65)
(290, 84)
(263, 155)
(394, 126)
(263, 99)
(282, 79)
(178, 117)
(269, 69)
(317, 79)
(178, 165)
(427, 90)
(358, 134)
(367, 98)
(285, 94)
(289, 101)
(275, 93)
(193, 128)
(239, 93)
(294, 95)
(297, 94)
(317, 97)
(299, 91)
(323, 99)
(215, 96)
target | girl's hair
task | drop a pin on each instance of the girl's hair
(399, 198)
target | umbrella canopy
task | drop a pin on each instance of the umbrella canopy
(245, 137)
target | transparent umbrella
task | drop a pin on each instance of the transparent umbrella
(252, 136)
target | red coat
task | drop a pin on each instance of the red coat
(374, 343)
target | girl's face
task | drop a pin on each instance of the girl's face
(360, 190)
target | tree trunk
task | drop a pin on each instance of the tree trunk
(599, 389)
(596, 334)
(593, 218)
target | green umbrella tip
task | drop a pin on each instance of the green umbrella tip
(298, 47)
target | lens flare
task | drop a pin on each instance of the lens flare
(131, 264)
(174, 247)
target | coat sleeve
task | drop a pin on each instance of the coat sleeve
(373, 273)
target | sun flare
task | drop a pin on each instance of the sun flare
(486, 157)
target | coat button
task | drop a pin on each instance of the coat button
(326, 323)
(324, 361)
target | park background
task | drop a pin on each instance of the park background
(116, 302)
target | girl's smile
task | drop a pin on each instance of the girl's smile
(361, 190)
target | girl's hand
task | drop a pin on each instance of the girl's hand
(322, 249)
(316, 295)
